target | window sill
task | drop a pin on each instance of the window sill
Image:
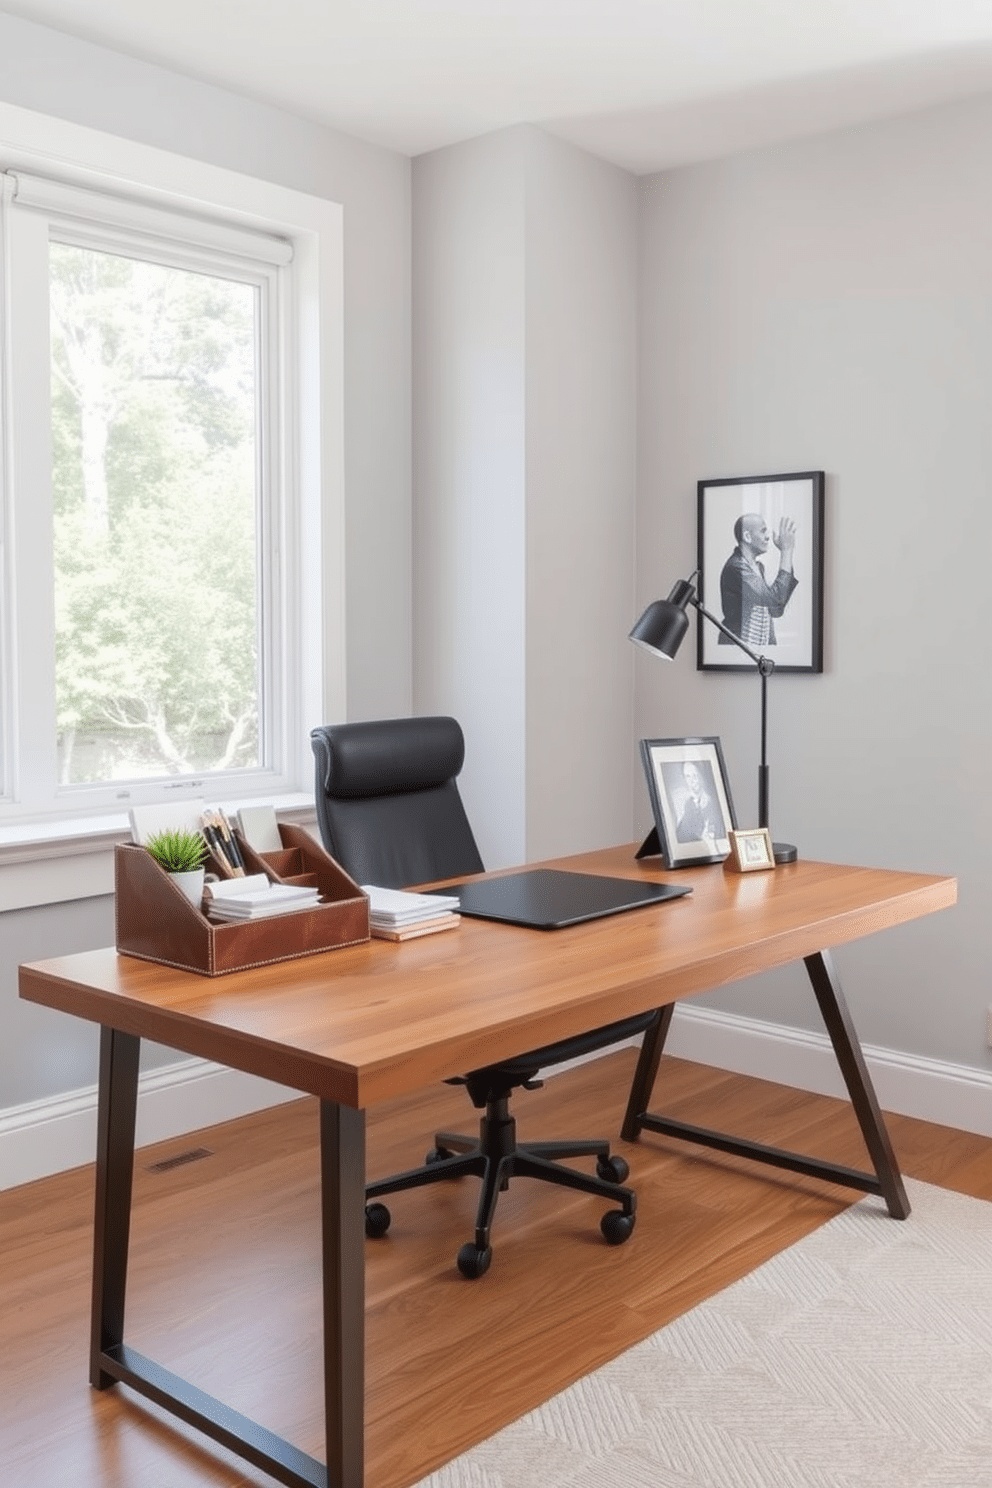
(52, 862)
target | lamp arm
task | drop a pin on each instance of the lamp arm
(765, 667)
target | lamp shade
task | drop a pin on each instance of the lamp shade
(662, 627)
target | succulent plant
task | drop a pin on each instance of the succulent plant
(178, 851)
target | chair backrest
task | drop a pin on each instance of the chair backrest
(388, 802)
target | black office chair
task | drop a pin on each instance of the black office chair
(391, 815)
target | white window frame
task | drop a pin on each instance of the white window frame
(311, 639)
(38, 212)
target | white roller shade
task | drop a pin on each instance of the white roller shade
(59, 200)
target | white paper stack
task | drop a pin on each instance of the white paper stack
(176, 816)
(255, 897)
(396, 914)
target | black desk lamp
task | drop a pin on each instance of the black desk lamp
(661, 630)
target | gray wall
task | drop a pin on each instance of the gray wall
(828, 305)
(470, 493)
(581, 484)
(41, 1055)
(524, 436)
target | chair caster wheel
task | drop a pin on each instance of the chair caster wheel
(616, 1226)
(612, 1169)
(473, 1262)
(436, 1155)
(377, 1220)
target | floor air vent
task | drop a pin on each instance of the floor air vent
(180, 1160)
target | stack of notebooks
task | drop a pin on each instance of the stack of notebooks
(254, 897)
(395, 914)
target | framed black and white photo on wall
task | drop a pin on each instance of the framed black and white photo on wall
(761, 570)
(690, 799)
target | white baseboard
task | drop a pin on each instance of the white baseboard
(46, 1137)
(909, 1084)
(930, 1089)
(50, 1136)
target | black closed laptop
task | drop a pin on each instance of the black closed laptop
(549, 899)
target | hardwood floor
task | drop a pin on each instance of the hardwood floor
(224, 1282)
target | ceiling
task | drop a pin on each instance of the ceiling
(647, 84)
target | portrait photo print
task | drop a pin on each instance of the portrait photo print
(761, 570)
(690, 799)
(751, 851)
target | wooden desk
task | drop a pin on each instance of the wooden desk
(360, 1025)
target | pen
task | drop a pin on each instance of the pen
(221, 843)
(216, 846)
(231, 840)
(230, 846)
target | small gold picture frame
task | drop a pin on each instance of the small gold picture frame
(750, 851)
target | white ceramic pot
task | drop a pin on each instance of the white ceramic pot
(191, 884)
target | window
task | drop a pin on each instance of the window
(156, 501)
(156, 581)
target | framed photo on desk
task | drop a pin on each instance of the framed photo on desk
(690, 798)
(751, 850)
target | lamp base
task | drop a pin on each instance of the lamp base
(782, 852)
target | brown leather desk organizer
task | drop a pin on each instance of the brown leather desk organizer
(156, 922)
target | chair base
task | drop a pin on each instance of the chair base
(496, 1157)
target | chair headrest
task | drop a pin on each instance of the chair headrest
(389, 756)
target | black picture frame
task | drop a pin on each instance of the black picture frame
(677, 812)
(791, 631)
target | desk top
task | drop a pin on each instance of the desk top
(365, 1023)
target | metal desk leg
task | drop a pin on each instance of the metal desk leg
(342, 1165)
(117, 1101)
(652, 1048)
(885, 1180)
(833, 1008)
(342, 1185)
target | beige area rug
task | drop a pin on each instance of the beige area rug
(859, 1358)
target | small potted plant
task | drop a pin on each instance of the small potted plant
(181, 853)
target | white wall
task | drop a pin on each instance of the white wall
(524, 439)
(828, 304)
